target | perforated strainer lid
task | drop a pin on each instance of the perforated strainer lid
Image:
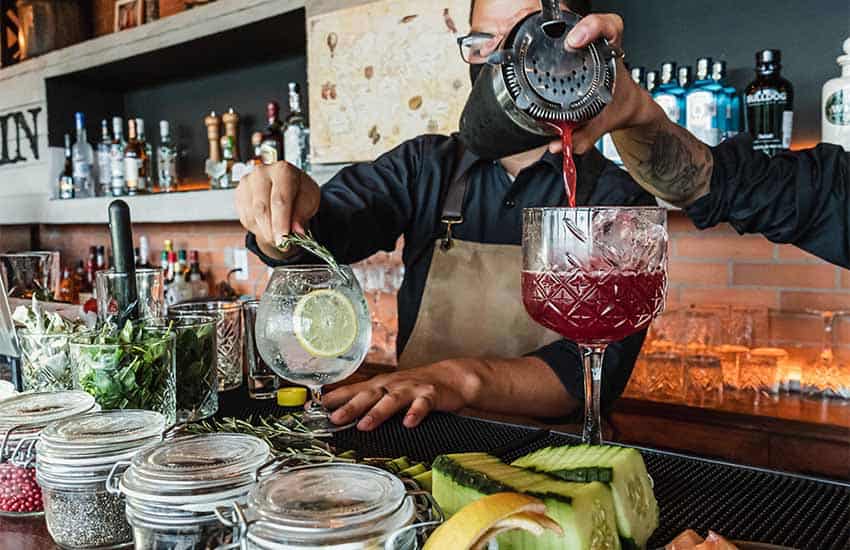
(328, 503)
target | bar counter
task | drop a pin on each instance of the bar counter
(741, 502)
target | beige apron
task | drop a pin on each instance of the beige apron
(472, 302)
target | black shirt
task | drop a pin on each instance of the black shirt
(796, 197)
(367, 206)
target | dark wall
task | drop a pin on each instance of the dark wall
(809, 34)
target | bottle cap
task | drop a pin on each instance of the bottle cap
(80, 119)
(272, 109)
(704, 66)
(291, 397)
(764, 57)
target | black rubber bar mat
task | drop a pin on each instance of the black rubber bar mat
(738, 502)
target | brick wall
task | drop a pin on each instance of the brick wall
(716, 266)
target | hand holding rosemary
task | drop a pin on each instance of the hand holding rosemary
(308, 243)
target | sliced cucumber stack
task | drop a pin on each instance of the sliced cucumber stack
(621, 467)
(585, 511)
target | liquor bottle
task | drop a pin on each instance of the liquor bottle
(133, 157)
(68, 290)
(272, 146)
(835, 122)
(166, 158)
(100, 258)
(80, 275)
(228, 146)
(257, 142)
(66, 178)
(639, 75)
(685, 78)
(104, 162)
(296, 136)
(770, 105)
(705, 105)
(144, 252)
(182, 265)
(146, 163)
(669, 95)
(731, 101)
(116, 156)
(91, 268)
(652, 80)
(176, 288)
(163, 263)
(199, 287)
(83, 156)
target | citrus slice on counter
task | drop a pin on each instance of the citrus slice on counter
(325, 323)
(474, 525)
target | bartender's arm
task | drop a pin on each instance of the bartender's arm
(801, 198)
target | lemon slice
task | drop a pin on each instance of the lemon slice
(325, 323)
(474, 525)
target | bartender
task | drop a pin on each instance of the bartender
(797, 197)
(464, 337)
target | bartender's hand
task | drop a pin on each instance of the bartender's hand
(631, 106)
(444, 386)
(273, 200)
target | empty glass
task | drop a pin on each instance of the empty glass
(760, 373)
(665, 374)
(228, 336)
(30, 273)
(263, 382)
(313, 328)
(703, 380)
(111, 286)
(594, 275)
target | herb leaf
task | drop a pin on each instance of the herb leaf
(307, 242)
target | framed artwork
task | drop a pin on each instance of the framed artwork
(128, 14)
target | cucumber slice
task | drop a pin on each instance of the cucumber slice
(413, 471)
(424, 480)
(634, 502)
(585, 511)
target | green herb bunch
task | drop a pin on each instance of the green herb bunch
(128, 368)
(308, 243)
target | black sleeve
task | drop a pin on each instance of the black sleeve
(798, 197)
(564, 358)
(365, 207)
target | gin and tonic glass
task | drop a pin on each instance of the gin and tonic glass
(595, 276)
(313, 328)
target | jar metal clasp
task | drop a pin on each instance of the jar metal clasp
(113, 479)
(236, 521)
(23, 455)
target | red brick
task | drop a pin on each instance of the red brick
(734, 296)
(800, 300)
(791, 252)
(732, 246)
(678, 222)
(845, 278)
(698, 273)
(784, 275)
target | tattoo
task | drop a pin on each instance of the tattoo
(667, 161)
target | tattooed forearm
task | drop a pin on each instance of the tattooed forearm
(666, 160)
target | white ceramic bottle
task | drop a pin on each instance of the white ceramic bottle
(835, 116)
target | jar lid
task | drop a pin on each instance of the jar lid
(196, 468)
(100, 436)
(326, 503)
(33, 411)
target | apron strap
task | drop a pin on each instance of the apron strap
(452, 213)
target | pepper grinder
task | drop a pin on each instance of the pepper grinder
(213, 123)
(231, 129)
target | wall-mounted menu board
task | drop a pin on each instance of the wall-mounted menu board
(382, 73)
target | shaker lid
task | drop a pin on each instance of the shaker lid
(844, 59)
(36, 410)
(327, 501)
(193, 468)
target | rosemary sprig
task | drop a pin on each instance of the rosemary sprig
(307, 242)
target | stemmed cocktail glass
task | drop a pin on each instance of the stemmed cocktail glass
(313, 328)
(594, 276)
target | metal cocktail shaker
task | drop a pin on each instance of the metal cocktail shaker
(533, 82)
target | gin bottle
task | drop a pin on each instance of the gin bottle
(835, 124)
(669, 95)
(166, 157)
(146, 176)
(296, 141)
(83, 158)
(116, 157)
(702, 104)
(770, 105)
(104, 162)
(66, 178)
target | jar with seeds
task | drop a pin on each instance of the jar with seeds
(75, 457)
